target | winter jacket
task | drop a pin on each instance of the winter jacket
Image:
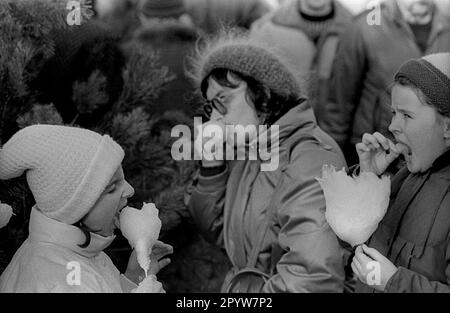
(211, 15)
(366, 60)
(415, 233)
(300, 252)
(174, 42)
(297, 39)
(50, 260)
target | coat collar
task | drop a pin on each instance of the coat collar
(441, 162)
(47, 230)
(299, 118)
(289, 15)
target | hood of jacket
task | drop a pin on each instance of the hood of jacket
(300, 117)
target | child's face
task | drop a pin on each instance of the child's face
(417, 128)
(100, 219)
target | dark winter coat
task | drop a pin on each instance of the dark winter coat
(415, 233)
(367, 58)
(300, 252)
(174, 42)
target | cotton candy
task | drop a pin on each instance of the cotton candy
(141, 228)
(354, 205)
(5, 214)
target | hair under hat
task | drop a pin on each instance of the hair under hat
(247, 56)
(67, 168)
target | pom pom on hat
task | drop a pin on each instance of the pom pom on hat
(67, 168)
(248, 56)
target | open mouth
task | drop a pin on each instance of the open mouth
(404, 149)
(117, 216)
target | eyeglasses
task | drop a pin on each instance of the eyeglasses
(214, 104)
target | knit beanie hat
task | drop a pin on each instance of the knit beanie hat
(431, 74)
(162, 8)
(248, 56)
(67, 168)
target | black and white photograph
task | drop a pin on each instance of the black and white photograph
(220, 153)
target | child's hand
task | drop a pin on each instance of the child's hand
(135, 273)
(376, 152)
(158, 257)
(372, 268)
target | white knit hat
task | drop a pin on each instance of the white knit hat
(67, 168)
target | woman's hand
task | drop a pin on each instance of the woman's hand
(375, 153)
(158, 261)
(372, 268)
(209, 137)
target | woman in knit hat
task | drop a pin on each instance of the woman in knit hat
(77, 180)
(412, 243)
(271, 222)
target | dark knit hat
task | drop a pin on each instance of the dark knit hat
(162, 8)
(431, 74)
(247, 56)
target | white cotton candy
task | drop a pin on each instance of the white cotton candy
(141, 228)
(5, 214)
(354, 205)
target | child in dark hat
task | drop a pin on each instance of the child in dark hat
(411, 244)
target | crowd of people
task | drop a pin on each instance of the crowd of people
(365, 92)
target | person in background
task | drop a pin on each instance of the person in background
(412, 243)
(307, 32)
(169, 30)
(366, 60)
(121, 16)
(77, 180)
(212, 15)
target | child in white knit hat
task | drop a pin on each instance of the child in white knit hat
(77, 180)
